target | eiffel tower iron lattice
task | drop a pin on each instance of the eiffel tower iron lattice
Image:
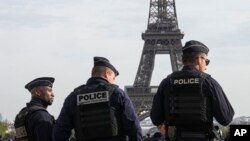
(162, 36)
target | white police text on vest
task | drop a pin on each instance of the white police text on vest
(184, 81)
(91, 98)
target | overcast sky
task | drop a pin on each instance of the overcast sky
(59, 38)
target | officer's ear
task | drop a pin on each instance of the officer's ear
(106, 73)
(198, 63)
(36, 92)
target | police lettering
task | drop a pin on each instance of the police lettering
(93, 96)
(90, 98)
(184, 81)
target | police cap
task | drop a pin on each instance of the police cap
(42, 81)
(194, 46)
(101, 61)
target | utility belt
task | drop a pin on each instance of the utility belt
(186, 134)
(174, 133)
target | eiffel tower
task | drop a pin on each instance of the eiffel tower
(161, 37)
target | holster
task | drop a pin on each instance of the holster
(215, 134)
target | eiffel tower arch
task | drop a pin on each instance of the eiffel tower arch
(162, 36)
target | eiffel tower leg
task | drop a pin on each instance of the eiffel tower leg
(176, 59)
(145, 69)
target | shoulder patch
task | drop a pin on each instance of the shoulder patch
(21, 132)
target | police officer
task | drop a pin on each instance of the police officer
(33, 122)
(187, 100)
(99, 110)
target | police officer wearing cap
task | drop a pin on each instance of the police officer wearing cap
(98, 110)
(188, 100)
(33, 122)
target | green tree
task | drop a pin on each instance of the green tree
(3, 129)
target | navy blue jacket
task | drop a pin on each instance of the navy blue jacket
(156, 137)
(221, 107)
(40, 123)
(132, 129)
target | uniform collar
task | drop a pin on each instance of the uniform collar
(96, 80)
(188, 67)
(37, 102)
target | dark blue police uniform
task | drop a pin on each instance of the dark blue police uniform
(40, 123)
(34, 122)
(156, 137)
(82, 112)
(131, 126)
(221, 108)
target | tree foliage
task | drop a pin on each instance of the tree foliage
(3, 129)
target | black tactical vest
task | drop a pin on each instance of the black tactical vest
(21, 123)
(96, 117)
(186, 104)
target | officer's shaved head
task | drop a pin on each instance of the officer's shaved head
(98, 71)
